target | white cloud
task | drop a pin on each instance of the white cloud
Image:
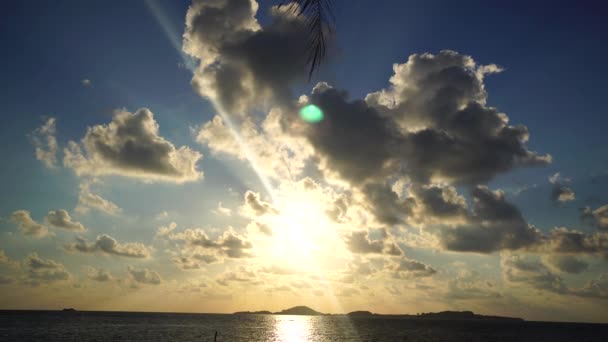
(27, 226)
(62, 219)
(45, 143)
(88, 200)
(131, 146)
(106, 244)
(221, 210)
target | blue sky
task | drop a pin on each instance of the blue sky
(552, 60)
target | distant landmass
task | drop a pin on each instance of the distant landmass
(296, 310)
(443, 315)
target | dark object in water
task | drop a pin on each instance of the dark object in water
(68, 310)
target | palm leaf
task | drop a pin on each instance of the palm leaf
(318, 23)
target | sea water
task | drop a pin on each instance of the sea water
(51, 326)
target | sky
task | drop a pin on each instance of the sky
(154, 158)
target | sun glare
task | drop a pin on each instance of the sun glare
(302, 233)
(293, 328)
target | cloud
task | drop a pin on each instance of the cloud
(106, 244)
(88, 200)
(4, 280)
(144, 276)
(220, 210)
(240, 275)
(131, 146)
(62, 219)
(86, 83)
(432, 124)
(193, 261)
(560, 192)
(566, 263)
(348, 292)
(493, 225)
(408, 268)
(270, 148)
(254, 204)
(4, 259)
(258, 227)
(228, 244)
(99, 275)
(463, 290)
(43, 271)
(45, 142)
(524, 271)
(385, 204)
(518, 270)
(439, 102)
(27, 226)
(242, 64)
(360, 243)
(566, 241)
(186, 263)
(598, 217)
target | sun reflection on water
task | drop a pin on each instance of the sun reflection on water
(293, 328)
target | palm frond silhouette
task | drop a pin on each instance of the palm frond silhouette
(318, 23)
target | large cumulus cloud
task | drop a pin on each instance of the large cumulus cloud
(241, 63)
(432, 123)
(131, 146)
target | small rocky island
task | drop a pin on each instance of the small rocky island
(296, 310)
(443, 315)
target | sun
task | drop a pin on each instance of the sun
(302, 234)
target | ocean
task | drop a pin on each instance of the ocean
(51, 326)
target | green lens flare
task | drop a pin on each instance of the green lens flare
(311, 113)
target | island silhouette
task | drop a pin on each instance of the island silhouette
(442, 315)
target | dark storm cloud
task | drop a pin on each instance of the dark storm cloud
(131, 146)
(106, 244)
(493, 225)
(241, 63)
(62, 219)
